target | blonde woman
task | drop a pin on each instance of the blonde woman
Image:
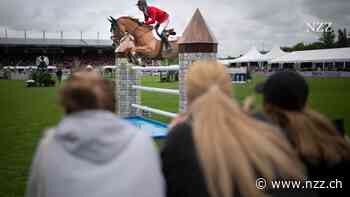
(92, 152)
(324, 151)
(217, 150)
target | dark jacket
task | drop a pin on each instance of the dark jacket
(182, 170)
(329, 174)
(59, 73)
(321, 173)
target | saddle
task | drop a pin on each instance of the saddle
(170, 32)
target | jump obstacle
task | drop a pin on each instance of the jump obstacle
(156, 90)
(201, 45)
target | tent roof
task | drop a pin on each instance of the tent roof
(275, 52)
(226, 61)
(321, 55)
(253, 55)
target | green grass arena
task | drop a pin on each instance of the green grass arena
(26, 112)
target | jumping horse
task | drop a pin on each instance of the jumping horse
(144, 43)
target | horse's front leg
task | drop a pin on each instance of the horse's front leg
(141, 49)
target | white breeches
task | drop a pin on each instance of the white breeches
(163, 26)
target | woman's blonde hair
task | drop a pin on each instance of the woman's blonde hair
(233, 148)
(313, 135)
(87, 90)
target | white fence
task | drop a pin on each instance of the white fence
(156, 90)
(238, 75)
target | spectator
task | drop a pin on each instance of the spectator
(324, 151)
(216, 149)
(91, 152)
(59, 75)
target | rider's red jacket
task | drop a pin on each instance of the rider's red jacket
(155, 15)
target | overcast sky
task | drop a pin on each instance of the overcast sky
(237, 24)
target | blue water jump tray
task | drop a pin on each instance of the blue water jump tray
(156, 129)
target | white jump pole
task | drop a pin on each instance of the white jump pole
(158, 90)
(153, 110)
(157, 68)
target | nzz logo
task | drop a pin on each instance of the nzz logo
(319, 27)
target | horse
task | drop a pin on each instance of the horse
(146, 45)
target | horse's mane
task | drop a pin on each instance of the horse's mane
(131, 18)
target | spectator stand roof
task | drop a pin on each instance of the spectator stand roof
(55, 42)
(321, 55)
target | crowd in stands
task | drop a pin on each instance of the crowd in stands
(93, 60)
(218, 148)
(13, 60)
(68, 61)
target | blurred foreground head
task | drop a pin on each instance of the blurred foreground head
(286, 90)
(87, 90)
(315, 137)
(233, 148)
(204, 76)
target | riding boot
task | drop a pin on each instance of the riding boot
(165, 41)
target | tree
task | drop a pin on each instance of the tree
(287, 49)
(314, 46)
(328, 38)
(342, 38)
(299, 47)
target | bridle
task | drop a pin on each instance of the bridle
(117, 34)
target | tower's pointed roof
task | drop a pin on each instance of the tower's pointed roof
(197, 31)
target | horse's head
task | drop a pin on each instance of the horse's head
(123, 25)
(116, 30)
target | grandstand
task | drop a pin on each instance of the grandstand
(68, 53)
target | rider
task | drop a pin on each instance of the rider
(155, 15)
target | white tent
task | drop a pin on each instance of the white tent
(275, 52)
(226, 61)
(321, 55)
(253, 55)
